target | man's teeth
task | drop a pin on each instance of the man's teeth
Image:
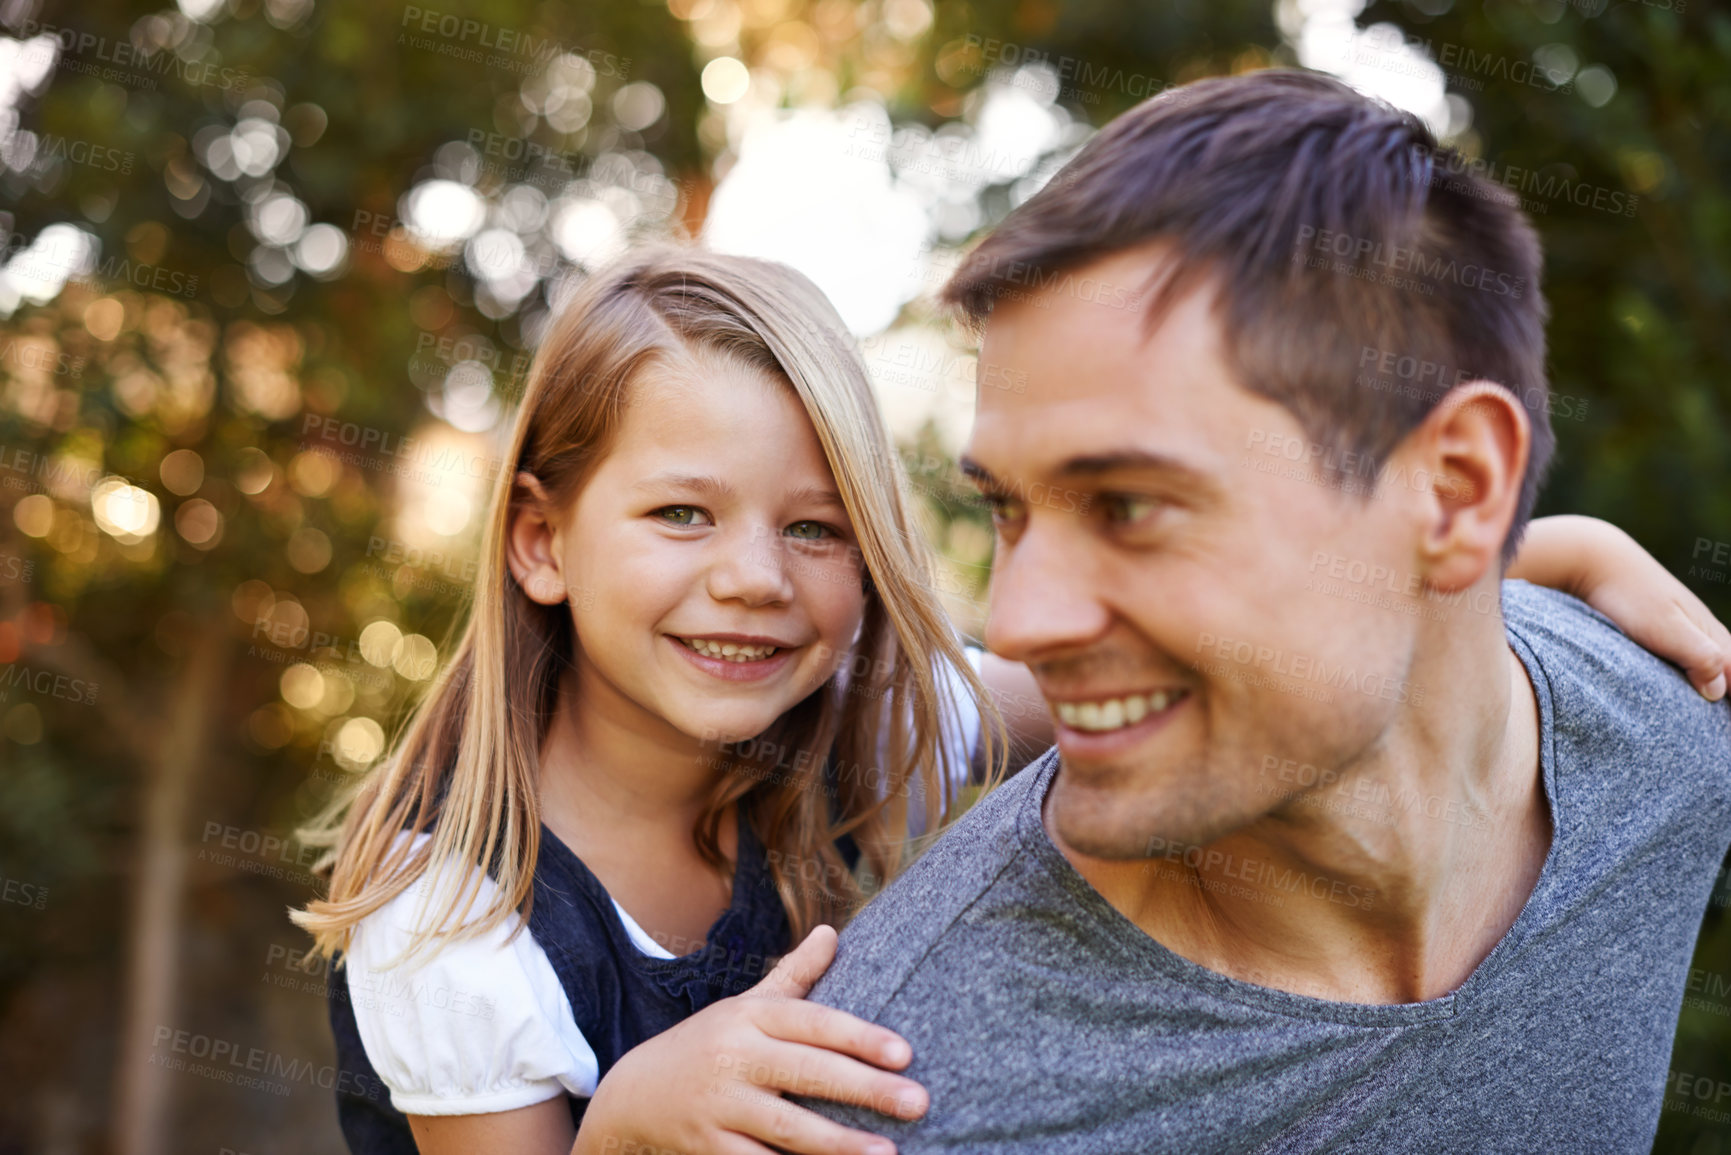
(1115, 713)
(729, 651)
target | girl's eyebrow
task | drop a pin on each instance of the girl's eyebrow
(717, 489)
(817, 495)
(700, 483)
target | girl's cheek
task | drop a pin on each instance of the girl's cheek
(838, 609)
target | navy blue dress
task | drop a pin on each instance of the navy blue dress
(619, 996)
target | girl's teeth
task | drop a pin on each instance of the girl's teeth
(1114, 713)
(729, 651)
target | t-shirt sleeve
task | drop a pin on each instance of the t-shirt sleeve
(478, 1025)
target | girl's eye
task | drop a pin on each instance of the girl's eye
(810, 531)
(682, 515)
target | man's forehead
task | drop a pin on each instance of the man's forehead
(1062, 372)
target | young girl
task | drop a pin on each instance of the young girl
(704, 688)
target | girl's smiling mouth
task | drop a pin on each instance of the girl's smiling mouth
(735, 657)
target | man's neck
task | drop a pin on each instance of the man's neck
(1389, 884)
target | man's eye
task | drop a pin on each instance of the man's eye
(1125, 509)
(681, 515)
(1004, 510)
(810, 531)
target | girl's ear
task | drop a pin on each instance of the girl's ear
(531, 547)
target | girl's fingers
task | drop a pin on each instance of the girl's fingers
(799, 969)
(732, 1143)
(815, 1025)
(824, 1074)
(1712, 682)
(789, 1127)
(1705, 652)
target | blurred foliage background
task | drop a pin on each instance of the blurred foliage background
(275, 268)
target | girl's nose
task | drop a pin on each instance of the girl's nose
(753, 568)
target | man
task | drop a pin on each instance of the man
(1345, 845)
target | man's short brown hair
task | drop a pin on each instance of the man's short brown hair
(1364, 270)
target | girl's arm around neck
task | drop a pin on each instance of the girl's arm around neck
(1606, 568)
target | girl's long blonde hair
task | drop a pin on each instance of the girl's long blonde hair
(464, 765)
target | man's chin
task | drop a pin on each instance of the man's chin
(1105, 823)
(1097, 823)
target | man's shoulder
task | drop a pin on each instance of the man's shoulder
(1609, 696)
(887, 940)
(1576, 643)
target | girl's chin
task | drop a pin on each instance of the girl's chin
(725, 731)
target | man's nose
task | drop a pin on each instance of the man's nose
(1043, 597)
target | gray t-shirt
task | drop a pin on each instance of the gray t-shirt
(1043, 1020)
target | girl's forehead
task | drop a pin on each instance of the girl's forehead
(720, 408)
(701, 377)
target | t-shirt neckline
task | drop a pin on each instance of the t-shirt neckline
(1171, 965)
(633, 931)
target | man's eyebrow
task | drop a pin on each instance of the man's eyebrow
(1116, 460)
(1094, 464)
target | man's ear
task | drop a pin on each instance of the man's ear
(531, 542)
(1473, 449)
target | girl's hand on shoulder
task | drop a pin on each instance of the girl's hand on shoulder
(1606, 568)
(714, 1083)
